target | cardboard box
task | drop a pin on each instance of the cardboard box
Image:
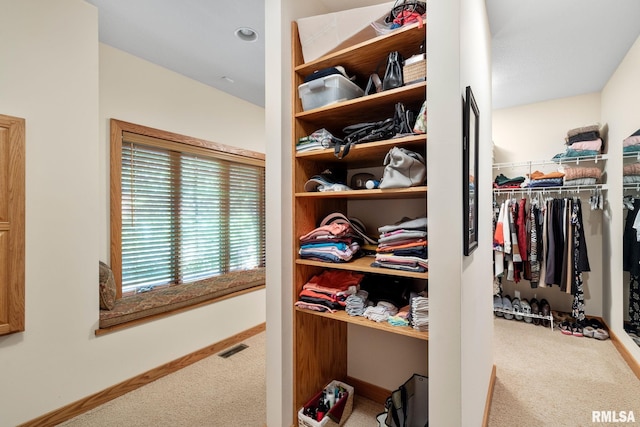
(322, 34)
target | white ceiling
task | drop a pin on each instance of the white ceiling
(541, 49)
(547, 49)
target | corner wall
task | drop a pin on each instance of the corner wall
(56, 76)
(476, 333)
(620, 110)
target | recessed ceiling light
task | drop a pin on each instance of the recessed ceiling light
(246, 34)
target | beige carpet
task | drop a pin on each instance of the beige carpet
(545, 378)
(210, 393)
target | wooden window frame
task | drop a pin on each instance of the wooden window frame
(141, 133)
(12, 224)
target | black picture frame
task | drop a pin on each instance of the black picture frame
(470, 143)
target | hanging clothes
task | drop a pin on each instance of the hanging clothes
(544, 244)
(580, 260)
(631, 261)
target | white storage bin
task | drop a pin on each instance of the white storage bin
(305, 421)
(327, 90)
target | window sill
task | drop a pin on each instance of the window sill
(141, 308)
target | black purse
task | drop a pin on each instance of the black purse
(403, 119)
(393, 77)
(364, 132)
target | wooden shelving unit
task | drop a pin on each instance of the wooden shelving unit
(320, 339)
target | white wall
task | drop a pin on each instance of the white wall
(51, 62)
(140, 92)
(476, 334)
(620, 111)
(536, 132)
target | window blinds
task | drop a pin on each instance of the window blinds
(188, 216)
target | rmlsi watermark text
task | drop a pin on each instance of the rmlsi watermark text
(613, 417)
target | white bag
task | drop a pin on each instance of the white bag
(403, 169)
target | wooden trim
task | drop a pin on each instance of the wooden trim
(12, 216)
(126, 325)
(208, 152)
(487, 405)
(625, 353)
(79, 407)
(368, 390)
(115, 204)
(631, 361)
(183, 139)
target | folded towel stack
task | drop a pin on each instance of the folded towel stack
(420, 313)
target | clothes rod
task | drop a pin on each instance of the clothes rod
(550, 190)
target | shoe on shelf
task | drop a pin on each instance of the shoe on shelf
(526, 309)
(497, 304)
(545, 310)
(506, 305)
(517, 308)
(535, 309)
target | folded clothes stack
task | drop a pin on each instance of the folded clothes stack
(574, 176)
(502, 181)
(329, 290)
(380, 312)
(538, 179)
(318, 140)
(330, 243)
(403, 246)
(631, 144)
(356, 304)
(420, 313)
(582, 141)
(631, 173)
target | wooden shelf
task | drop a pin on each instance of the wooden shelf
(366, 57)
(321, 339)
(363, 265)
(367, 154)
(391, 193)
(374, 107)
(342, 316)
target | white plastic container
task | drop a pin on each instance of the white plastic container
(327, 90)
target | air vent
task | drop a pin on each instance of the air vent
(232, 351)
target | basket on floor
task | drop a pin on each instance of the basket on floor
(332, 418)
